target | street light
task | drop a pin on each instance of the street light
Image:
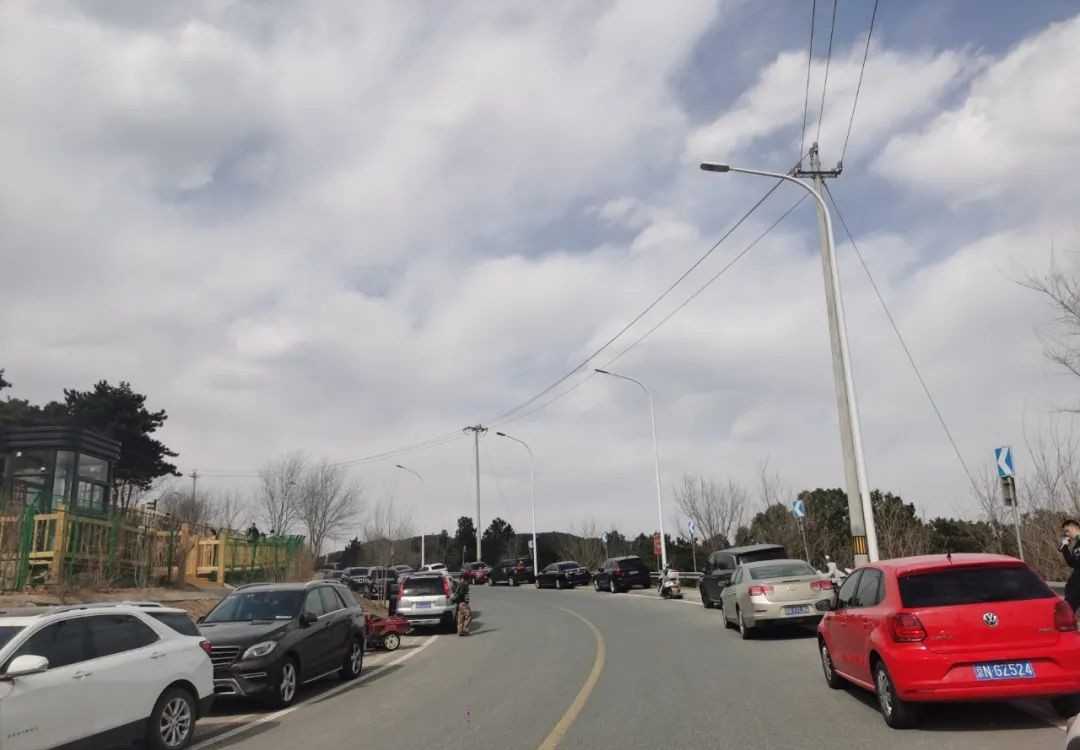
(532, 494)
(422, 483)
(656, 456)
(850, 430)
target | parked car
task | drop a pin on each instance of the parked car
(563, 575)
(774, 592)
(942, 628)
(382, 583)
(433, 566)
(81, 676)
(513, 572)
(622, 574)
(720, 567)
(424, 599)
(356, 578)
(402, 569)
(268, 639)
(475, 572)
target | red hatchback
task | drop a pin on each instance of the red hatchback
(940, 628)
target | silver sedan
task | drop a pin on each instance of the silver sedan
(773, 592)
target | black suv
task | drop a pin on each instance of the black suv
(721, 565)
(513, 572)
(267, 639)
(622, 574)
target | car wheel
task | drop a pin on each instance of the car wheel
(491, 582)
(288, 680)
(514, 582)
(537, 583)
(745, 631)
(354, 661)
(612, 587)
(898, 714)
(596, 584)
(1066, 706)
(172, 724)
(391, 641)
(558, 583)
(706, 602)
(832, 679)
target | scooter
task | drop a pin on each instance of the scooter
(669, 587)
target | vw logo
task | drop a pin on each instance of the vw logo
(990, 619)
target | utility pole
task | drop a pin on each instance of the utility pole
(476, 430)
(860, 510)
(194, 484)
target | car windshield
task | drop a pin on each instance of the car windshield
(633, 563)
(568, 566)
(778, 553)
(955, 586)
(781, 570)
(7, 632)
(257, 605)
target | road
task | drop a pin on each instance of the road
(584, 671)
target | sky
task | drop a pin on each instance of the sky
(344, 228)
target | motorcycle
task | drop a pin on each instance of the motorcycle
(669, 586)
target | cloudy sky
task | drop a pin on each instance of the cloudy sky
(348, 227)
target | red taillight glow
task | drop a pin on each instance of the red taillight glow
(821, 585)
(205, 646)
(1064, 617)
(759, 591)
(617, 572)
(907, 628)
(446, 586)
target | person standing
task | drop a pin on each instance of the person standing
(1070, 550)
(464, 612)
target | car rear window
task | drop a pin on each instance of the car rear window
(781, 570)
(424, 587)
(955, 586)
(632, 564)
(178, 621)
(765, 554)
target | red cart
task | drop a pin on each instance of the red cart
(385, 632)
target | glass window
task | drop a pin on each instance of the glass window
(313, 604)
(846, 596)
(178, 621)
(945, 588)
(331, 602)
(93, 468)
(781, 570)
(91, 497)
(63, 477)
(568, 566)
(31, 470)
(7, 632)
(869, 592)
(113, 634)
(62, 643)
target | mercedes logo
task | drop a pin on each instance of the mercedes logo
(990, 619)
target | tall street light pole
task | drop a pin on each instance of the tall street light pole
(477, 430)
(416, 474)
(656, 456)
(532, 495)
(861, 512)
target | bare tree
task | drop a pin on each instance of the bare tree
(771, 488)
(387, 525)
(328, 504)
(1061, 287)
(582, 545)
(229, 510)
(716, 509)
(281, 485)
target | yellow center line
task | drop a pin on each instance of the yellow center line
(563, 726)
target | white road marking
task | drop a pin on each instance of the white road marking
(264, 718)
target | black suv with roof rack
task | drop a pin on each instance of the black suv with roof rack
(513, 572)
(267, 639)
(622, 574)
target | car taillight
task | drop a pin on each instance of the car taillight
(821, 585)
(519, 567)
(759, 591)
(446, 587)
(205, 646)
(1064, 617)
(617, 572)
(907, 628)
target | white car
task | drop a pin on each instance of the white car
(102, 675)
(431, 567)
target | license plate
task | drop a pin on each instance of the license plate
(423, 605)
(1009, 670)
(801, 610)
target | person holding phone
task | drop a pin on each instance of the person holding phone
(1070, 550)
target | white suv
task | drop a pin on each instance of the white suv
(108, 674)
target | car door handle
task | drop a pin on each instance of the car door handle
(81, 675)
(157, 655)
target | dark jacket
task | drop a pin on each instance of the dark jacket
(1071, 553)
(461, 596)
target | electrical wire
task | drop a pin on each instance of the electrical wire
(809, 66)
(858, 87)
(903, 343)
(828, 61)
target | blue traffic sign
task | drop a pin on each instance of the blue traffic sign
(799, 509)
(1003, 457)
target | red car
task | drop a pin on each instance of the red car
(476, 573)
(944, 628)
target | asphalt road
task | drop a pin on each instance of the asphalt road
(588, 671)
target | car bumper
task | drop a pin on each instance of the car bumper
(433, 616)
(243, 684)
(206, 704)
(783, 613)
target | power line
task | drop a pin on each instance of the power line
(858, 87)
(806, 96)
(903, 343)
(738, 256)
(828, 60)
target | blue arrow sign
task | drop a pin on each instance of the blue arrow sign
(690, 527)
(799, 509)
(1003, 457)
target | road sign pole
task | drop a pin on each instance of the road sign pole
(693, 551)
(806, 547)
(1008, 486)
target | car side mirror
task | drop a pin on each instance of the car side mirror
(825, 605)
(308, 618)
(27, 664)
(200, 620)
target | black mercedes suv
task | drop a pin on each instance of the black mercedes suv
(622, 574)
(267, 639)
